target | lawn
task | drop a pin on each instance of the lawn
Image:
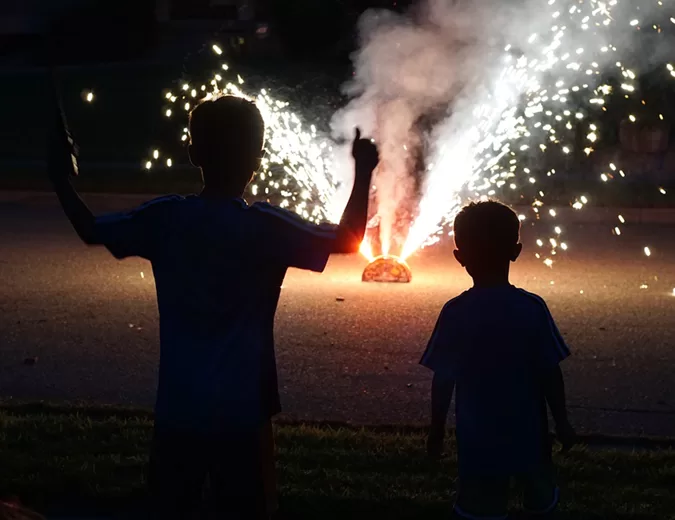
(85, 460)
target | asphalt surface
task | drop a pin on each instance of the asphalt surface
(347, 351)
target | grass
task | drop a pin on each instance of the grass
(74, 459)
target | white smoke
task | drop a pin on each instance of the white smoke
(408, 67)
(447, 81)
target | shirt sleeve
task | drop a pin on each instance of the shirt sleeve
(292, 241)
(551, 346)
(440, 356)
(136, 232)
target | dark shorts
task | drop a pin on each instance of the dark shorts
(199, 476)
(487, 498)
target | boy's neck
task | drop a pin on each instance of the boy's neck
(491, 279)
(220, 193)
(220, 190)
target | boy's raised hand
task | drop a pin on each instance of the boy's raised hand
(62, 150)
(365, 155)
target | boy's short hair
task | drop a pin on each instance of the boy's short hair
(487, 227)
(227, 124)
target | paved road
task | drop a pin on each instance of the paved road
(92, 323)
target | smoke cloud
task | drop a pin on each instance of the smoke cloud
(440, 91)
(413, 74)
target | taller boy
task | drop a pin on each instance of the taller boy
(219, 264)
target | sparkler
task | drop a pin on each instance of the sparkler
(555, 80)
(543, 94)
(297, 167)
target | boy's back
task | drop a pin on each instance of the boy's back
(218, 266)
(494, 342)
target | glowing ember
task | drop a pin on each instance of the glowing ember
(388, 269)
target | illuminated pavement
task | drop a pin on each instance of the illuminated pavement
(91, 322)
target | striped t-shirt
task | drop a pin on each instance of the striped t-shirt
(218, 268)
(496, 343)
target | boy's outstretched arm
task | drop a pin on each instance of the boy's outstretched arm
(554, 391)
(442, 388)
(352, 226)
(61, 166)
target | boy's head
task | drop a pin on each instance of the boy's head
(487, 237)
(226, 140)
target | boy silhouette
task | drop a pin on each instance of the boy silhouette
(501, 349)
(219, 264)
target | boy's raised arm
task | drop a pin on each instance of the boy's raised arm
(61, 166)
(352, 226)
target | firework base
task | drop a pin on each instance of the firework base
(387, 269)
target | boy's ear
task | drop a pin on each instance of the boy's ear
(458, 257)
(517, 249)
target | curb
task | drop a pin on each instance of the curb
(589, 215)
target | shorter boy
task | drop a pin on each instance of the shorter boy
(501, 348)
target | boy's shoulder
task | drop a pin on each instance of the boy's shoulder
(166, 199)
(532, 298)
(473, 297)
(158, 204)
(276, 215)
(455, 303)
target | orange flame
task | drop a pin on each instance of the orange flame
(367, 250)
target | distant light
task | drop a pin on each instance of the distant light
(648, 252)
(217, 49)
(169, 163)
(548, 262)
(168, 113)
(633, 23)
(89, 97)
(148, 165)
(155, 154)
